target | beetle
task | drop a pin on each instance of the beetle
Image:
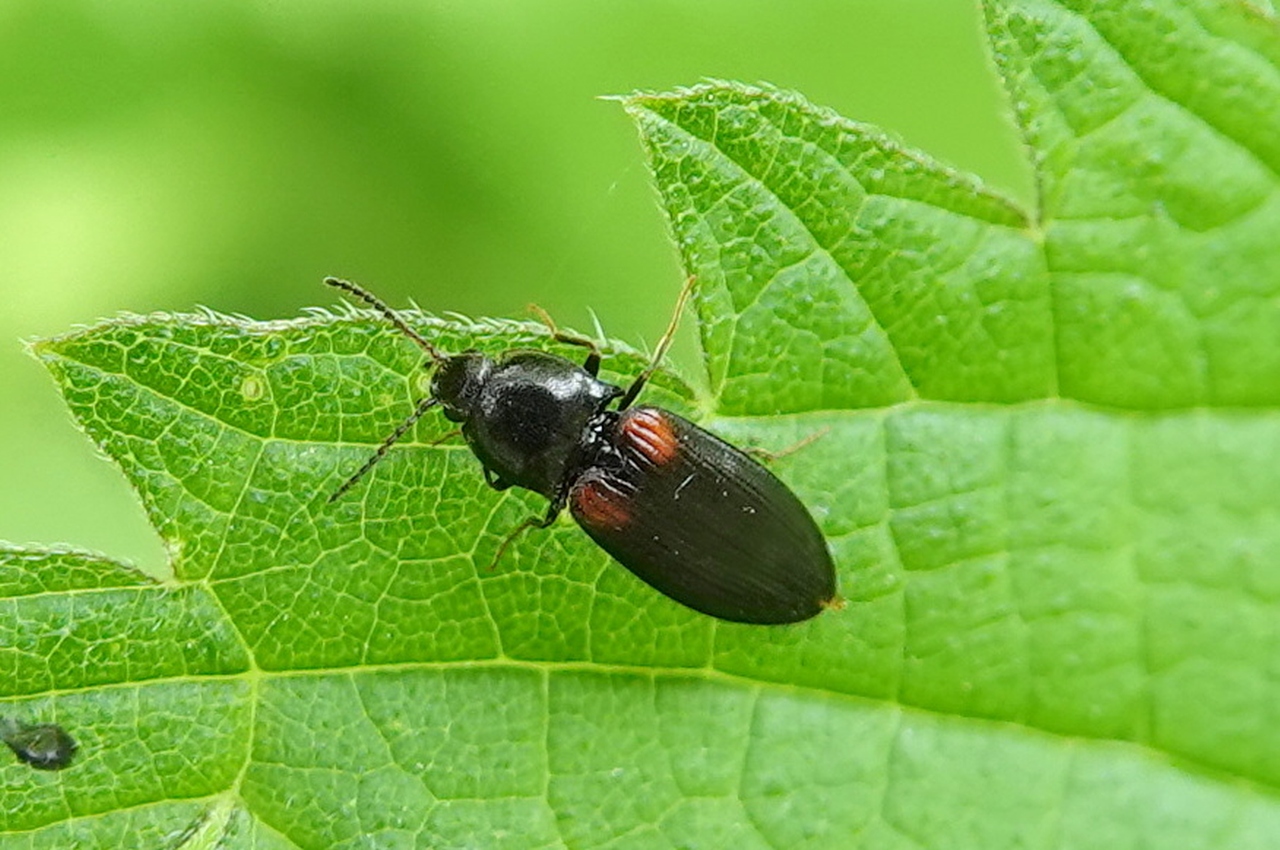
(691, 515)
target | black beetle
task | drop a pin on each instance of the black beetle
(691, 515)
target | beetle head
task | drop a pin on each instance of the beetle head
(457, 382)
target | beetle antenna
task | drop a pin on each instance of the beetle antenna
(381, 306)
(661, 351)
(423, 406)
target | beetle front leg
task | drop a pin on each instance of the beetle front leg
(456, 432)
(545, 521)
(592, 366)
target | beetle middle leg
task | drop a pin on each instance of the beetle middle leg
(661, 351)
(592, 366)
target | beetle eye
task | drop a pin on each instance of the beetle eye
(457, 381)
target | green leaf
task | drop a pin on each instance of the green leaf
(1049, 473)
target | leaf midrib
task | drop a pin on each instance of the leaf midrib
(709, 675)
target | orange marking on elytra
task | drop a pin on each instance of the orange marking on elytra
(600, 505)
(650, 434)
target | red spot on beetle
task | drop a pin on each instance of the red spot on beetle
(599, 505)
(649, 433)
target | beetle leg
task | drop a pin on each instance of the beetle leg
(553, 511)
(545, 521)
(592, 366)
(766, 456)
(456, 432)
(661, 351)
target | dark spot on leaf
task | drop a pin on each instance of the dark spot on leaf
(44, 746)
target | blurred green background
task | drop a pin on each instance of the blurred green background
(160, 155)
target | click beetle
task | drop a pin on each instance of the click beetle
(694, 517)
